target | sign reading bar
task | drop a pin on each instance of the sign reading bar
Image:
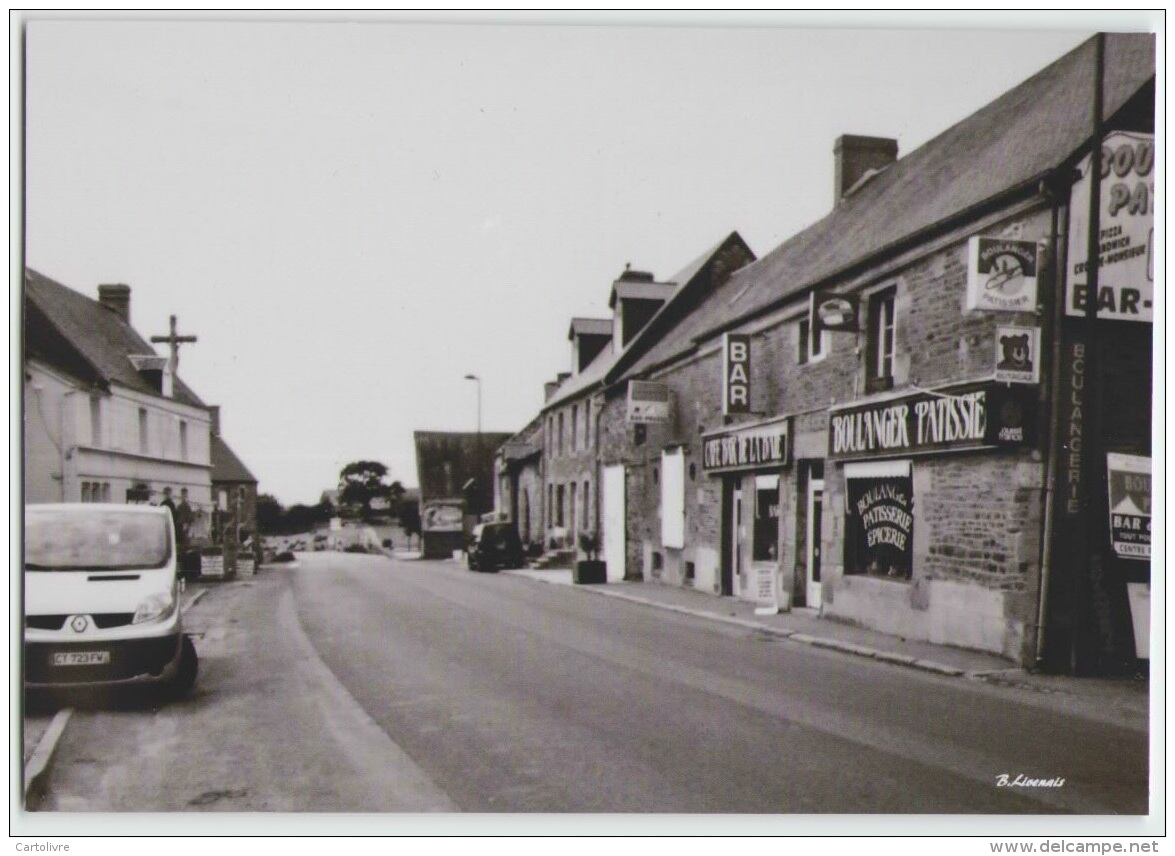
(648, 401)
(1126, 231)
(968, 417)
(763, 446)
(1001, 274)
(1130, 505)
(736, 373)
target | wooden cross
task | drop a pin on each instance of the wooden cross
(174, 340)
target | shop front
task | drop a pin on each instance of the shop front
(753, 463)
(935, 502)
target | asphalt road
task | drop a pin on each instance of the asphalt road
(357, 683)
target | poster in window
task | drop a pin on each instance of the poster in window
(1130, 505)
(879, 526)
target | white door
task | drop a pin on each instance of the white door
(614, 522)
(815, 525)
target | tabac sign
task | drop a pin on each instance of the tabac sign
(647, 401)
(766, 445)
(968, 417)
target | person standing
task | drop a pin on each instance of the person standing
(168, 502)
(183, 520)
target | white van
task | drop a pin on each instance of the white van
(101, 597)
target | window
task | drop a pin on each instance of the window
(587, 492)
(87, 496)
(550, 506)
(560, 433)
(587, 424)
(879, 353)
(96, 421)
(765, 547)
(572, 490)
(143, 448)
(105, 492)
(810, 348)
(574, 427)
(183, 440)
(879, 519)
(559, 500)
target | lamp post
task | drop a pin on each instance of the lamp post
(477, 464)
(476, 378)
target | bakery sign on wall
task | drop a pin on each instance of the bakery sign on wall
(973, 416)
(1001, 274)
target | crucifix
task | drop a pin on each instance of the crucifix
(174, 340)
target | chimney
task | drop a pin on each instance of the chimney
(855, 156)
(214, 419)
(116, 298)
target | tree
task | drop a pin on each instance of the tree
(362, 481)
(270, 514)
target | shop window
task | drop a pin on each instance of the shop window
(765, 544)
(879, 519)
(879, 351)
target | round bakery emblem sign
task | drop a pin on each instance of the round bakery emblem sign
(1002, 275)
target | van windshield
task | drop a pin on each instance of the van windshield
(60, 539)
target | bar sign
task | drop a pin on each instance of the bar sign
(736, 373)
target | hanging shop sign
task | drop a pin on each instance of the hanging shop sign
(972, 416)
(647, 401)
(1001, 274)
(879, 520)
(1126, 231)
(441, 516)
(1017, 354)
(1130, 505)
(766, 445)
(830, 311)
(736, 373)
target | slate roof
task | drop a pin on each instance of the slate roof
(599, 368)
(1004, 148)
(590, 327)
(83, 337)
(471, 455)
(226, 466)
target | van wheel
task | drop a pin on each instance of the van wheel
(185, 677)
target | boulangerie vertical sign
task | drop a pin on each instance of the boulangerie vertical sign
(736, 373)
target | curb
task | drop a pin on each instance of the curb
(37, 769)
(795, 636)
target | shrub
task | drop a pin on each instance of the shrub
(355, 548)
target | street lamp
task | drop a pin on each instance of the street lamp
(477, 463)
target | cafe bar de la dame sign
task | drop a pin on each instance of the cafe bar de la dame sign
(970, 417)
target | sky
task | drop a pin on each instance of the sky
(352, 217)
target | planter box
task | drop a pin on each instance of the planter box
(590, 572)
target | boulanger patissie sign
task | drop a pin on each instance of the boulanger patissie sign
(764, 446)
(1126, 231)
(1001, 274)
(1130, 505)
(968, 417)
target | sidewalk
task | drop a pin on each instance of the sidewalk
(1121, 700)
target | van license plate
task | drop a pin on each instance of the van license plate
(81, 658)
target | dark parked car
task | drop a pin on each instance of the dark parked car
(493, 546)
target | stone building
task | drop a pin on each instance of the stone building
(104, 419)
(872, 421)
